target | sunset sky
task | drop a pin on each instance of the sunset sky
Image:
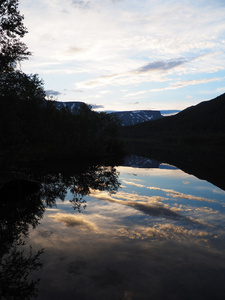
(127, 54)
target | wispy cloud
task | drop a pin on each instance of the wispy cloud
(176, 194)
(133, 183)
(135, 94)
(52, 93)
(94, 44)
(96, 106)
(162, 231)
(74, 50)
(181, 84)
(149, 205)
(81, 4)
(161, 65)
(119, 78)
(171, 193)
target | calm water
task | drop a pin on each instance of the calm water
(140, 231)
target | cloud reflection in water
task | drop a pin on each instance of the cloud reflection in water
(73, 221)
(136, 244)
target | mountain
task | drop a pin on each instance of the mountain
(205, 117)
(127, 117)
(137, 116)
(137, 161)
(72, 106)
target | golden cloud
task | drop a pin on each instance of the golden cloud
(73, 221)
(152, 205)
(132, 183)
(163, 231)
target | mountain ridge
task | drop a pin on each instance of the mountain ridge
(126, 117)
(206, 116)
(137, 116)
(73, 106)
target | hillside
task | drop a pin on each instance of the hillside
(205, 117)
(137, 116)
(127, 118)
(72, 106)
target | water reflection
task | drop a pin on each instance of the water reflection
(79, 184)
(146, 233)
(17, 263)
(20, 212)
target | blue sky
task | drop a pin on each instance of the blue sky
(127, 54)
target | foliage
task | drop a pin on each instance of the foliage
(55, 185)
(15, 269)
(16, 217)
(32, 128)
(12, 29)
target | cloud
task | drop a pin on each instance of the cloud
(96, 106)
(147, 205)
(73, 221)
(81, 4)
(95, 43)
(172, 193)
(135, 94)
(45, 233)
(52, 93)
(161, 65)
(121, 78)
(177, 85)
(181, 84)
(221, 90)
(157, 66)
(133, 183)
(162, 231)
(74, 50)
(176, 194)
(77, 91)
(153, 210)
(117, 1)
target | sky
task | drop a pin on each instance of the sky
(127, 54)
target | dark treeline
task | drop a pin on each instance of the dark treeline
(32, 128)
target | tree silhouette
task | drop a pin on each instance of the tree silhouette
(55, 185)
(12, 29)
(16, 265)
(32, 128)
(21, 107)
(15, 268)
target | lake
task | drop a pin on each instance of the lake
(141, 230)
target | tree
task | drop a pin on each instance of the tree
(12, 29)
(21, 113)
(23, 86)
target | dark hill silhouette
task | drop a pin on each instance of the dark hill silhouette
(193, 140)
(205, 117)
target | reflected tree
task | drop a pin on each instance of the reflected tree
(15, 268)
(54, 187)
(15, 265)
(80, 184)
(15, 219)
(17, 215)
